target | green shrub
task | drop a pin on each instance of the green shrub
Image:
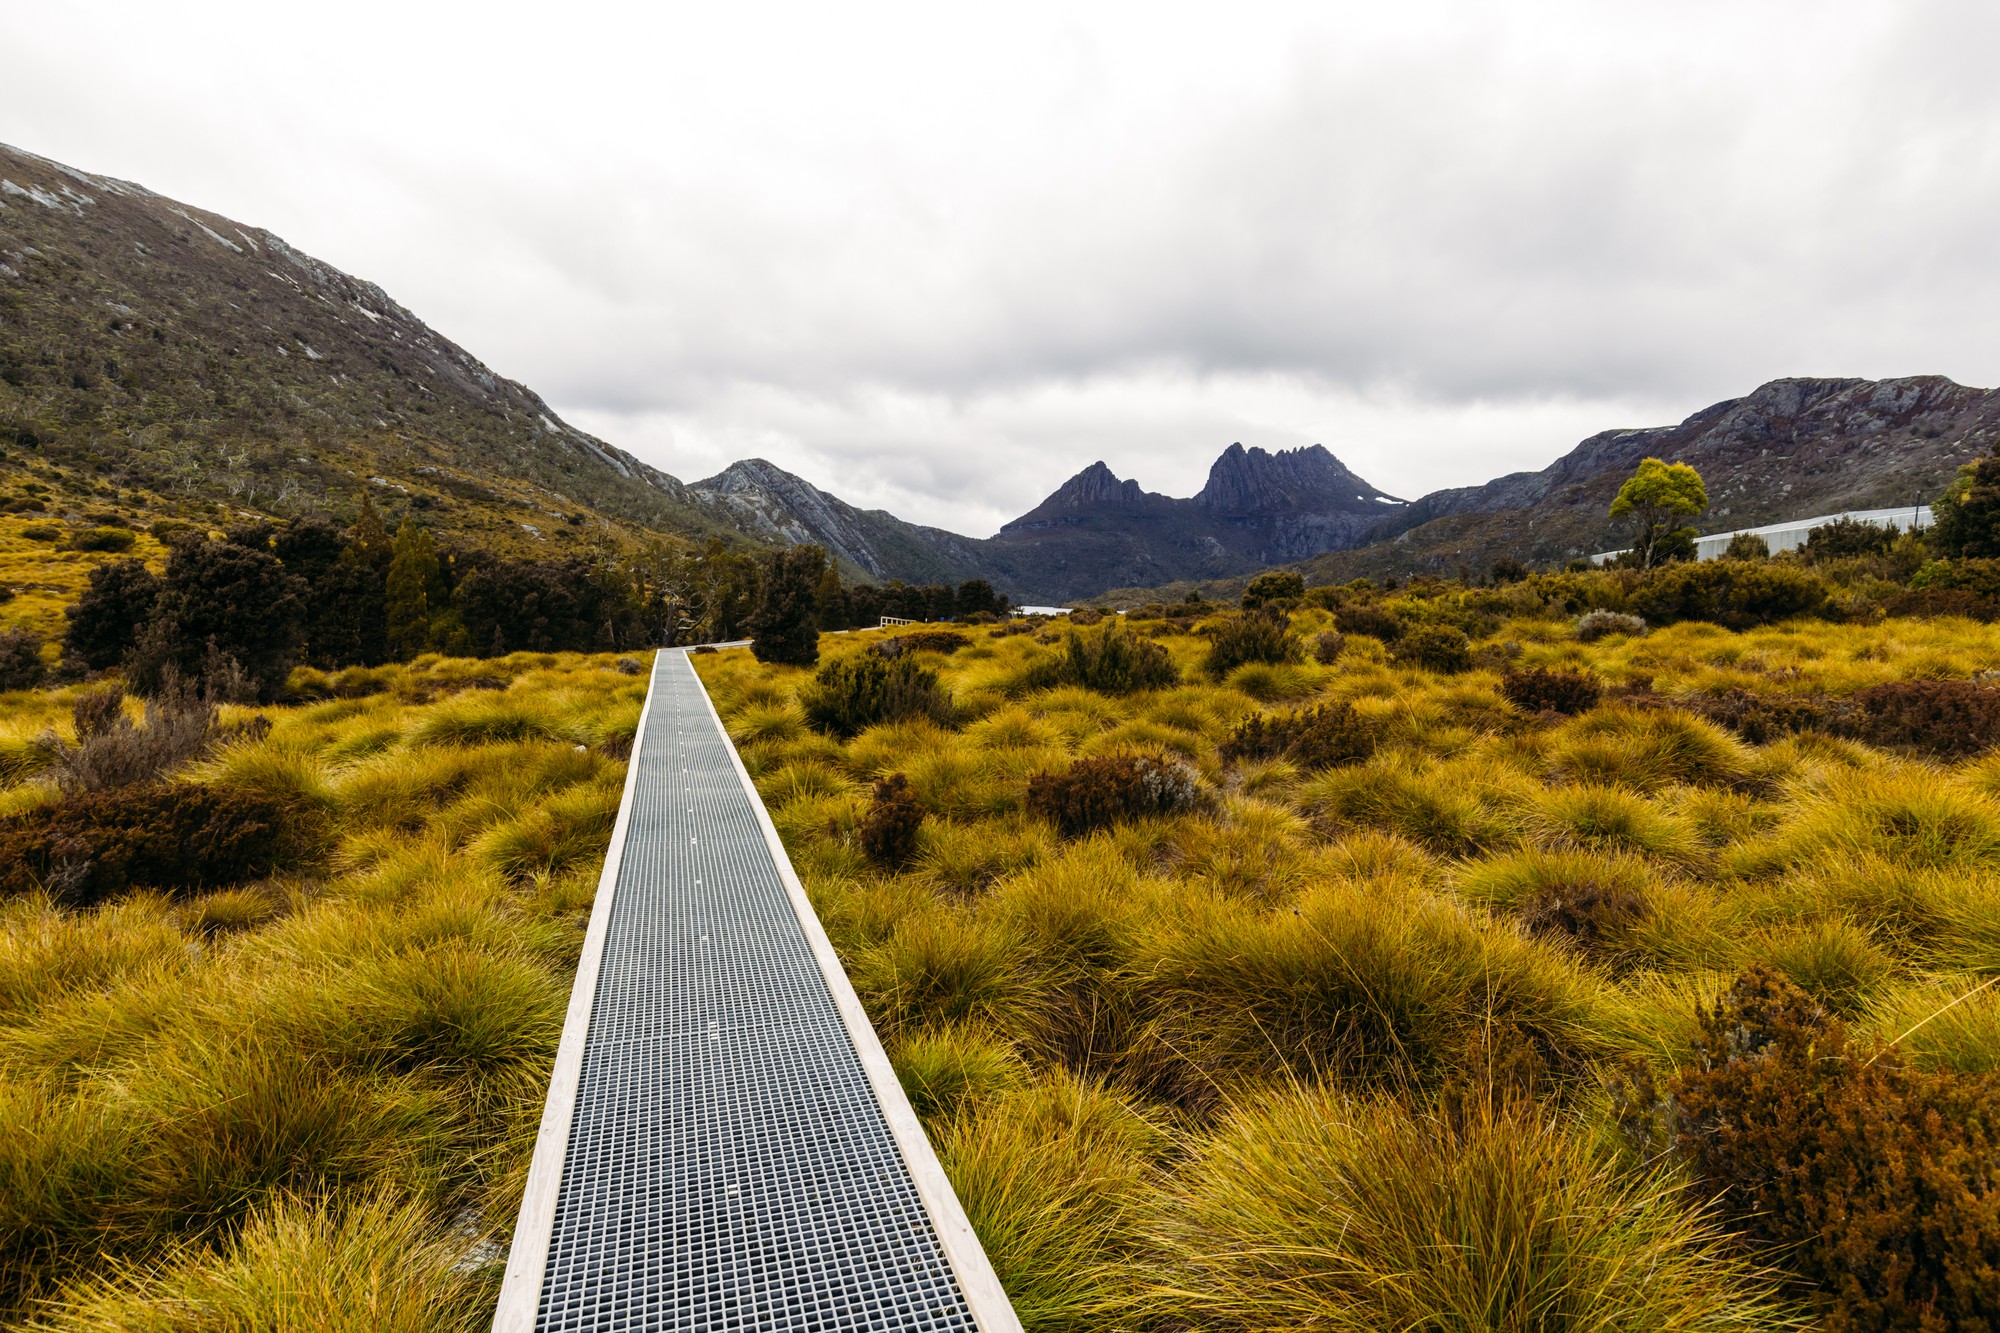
(889, 829)
(1874, 1181)
(1254, 636)
(103, 539)
(1097, 793)
(1112, 661)
(1327, 736)
(1541, 690)
(1440, 648)
(1747, 546)
(41, 532)
(88, 847)
(1369, 618)
(1845, 537)
(1273, 586)
(848, 695)
(1736, 594)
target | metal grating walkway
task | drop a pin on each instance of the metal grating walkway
(725, 1146)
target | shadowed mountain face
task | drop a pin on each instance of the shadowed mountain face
(171, 349)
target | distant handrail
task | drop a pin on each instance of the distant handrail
(887, 621)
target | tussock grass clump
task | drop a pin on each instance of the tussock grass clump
(1310, 1209)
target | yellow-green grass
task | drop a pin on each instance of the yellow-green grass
(1227, 1070)
(1280, 995)
(308, 1102)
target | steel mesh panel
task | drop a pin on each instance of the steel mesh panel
(728, 1166)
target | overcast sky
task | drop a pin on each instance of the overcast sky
(936, 258)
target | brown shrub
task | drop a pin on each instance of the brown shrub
(21, 665)
(1097, 793)
(1595, 625)
(1324, 737)
(1946, 718)
(1588, 913)
(88, 847)
(1328, 646)
(1873, 1183)
(1761, 718)
(1928, 602)
(1540, 690)
(923, 641)
(182, 725)
(889, 829)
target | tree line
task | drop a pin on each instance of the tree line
(261, 599)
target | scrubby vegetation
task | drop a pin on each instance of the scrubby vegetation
(280, 989)
(1426, 998)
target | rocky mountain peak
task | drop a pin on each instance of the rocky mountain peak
(1305, 480)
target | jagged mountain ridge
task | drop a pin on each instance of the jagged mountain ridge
(170, 349)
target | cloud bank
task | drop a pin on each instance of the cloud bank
(937, 261)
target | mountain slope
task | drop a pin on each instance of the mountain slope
(172, 350)
(771, 504)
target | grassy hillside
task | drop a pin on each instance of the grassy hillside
(160, 349)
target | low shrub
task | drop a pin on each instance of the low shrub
(41, 532)
(88, 847)
(1369, 618)
(1254, 636)
(1873, 1180)
(1762, 718)
(1110, 662)
(21, 665)
(1845, 537)
(1747, 546)
(1541, 690)
(1930, 603)
(945, 641)
(1737, 594)
(850, 694)
(1440, 648)
(1324, 737)
(182, 725)
(1595, 625)
(1098, 793)
(103, 539)
(1946, 718)
(889, 829)
(1273, 586)
(1328, 646)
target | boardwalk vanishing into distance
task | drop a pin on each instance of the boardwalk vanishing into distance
(725, 1145)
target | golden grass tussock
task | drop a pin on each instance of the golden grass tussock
(1310, 1209)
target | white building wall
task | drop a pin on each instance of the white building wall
(1790, 536)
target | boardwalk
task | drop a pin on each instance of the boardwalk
(724, 1145)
